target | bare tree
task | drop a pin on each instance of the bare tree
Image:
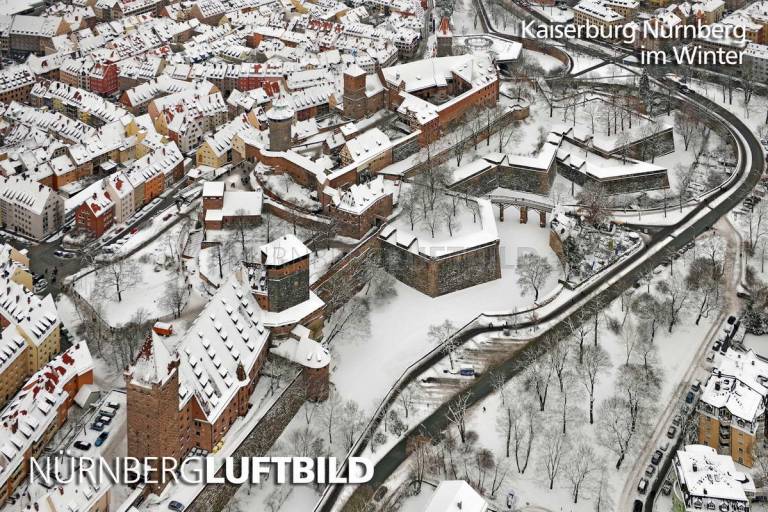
(457, 414)
(459, 139)
(351, 424)
(175, 296)
(704, 277)
(443, 335)
(596, 361)
(603, 497)
(686, 175)
(647, 308)
(120, 274)
(615, 426)
(554, 451)
(757, 225)
(677, 293)
(580, 465)
(595, 203)
(406, 399)
(331, 413)
(538, 374)
(557, 356)
(533, 271)
(687, 122)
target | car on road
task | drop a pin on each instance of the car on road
(657, 456)
(642, 486)
(671, 431)
(666, 488)
(176, 506)
(102, 437)
(683, 88)
(690, 397)
(82, 445)
(650, 470)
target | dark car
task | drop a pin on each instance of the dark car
(176, 506)
(102, 437)
(716, 346)
(666, 488)
(656, 458)
(671, 431)
(80, 445)
(97, 426)
(689, 397)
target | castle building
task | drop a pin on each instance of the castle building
(280, 118)
(189, 398)
(354, 92)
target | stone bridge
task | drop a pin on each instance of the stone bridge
(523, 202)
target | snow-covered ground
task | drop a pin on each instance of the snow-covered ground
(398, 327)
(145, 277)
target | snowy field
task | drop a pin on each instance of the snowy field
(398, 328)
(144, 278)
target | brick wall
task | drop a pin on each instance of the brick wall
(257, 444)
(438, 276)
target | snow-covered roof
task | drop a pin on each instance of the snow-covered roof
(28, 417)
(707, 475)
(284, 250)
(739, 384)
(26, 194)
(302, 349)
(221, 347)
(456, 496)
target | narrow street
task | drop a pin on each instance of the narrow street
(698, 369)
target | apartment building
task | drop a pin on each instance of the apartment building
(36, 413)
(731, 410)
(29, 208)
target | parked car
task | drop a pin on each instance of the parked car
(716, 346)
(650, 470)
(176, 506)
(58, 254)
(710, 357)
(167, 216)
(105, 420)
(81, 445)
(689, 397)
(107, 412)
(696, 386)
(134, 230)
(102, 437)
(677, 420)
(642, 486)
(656, 458)
(666, 488)
(664, 446)
(97, 426)
(467, 371)
(671, 431)
(113, 405)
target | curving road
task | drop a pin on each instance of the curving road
(604, 289)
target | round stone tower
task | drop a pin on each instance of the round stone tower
(280, 118)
